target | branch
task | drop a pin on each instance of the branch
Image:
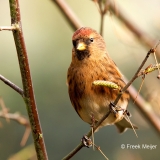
(136, 74)
(102, 14)
(12, 85)
(103, 7)
(27, 82)
(68, 14)
(16, 117)
(146, 110)
(150, 69)
(144, 38)
(9, 28)
(19, 119)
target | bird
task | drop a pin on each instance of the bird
(91, 62)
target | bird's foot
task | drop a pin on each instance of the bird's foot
(87, 142)
(93, 121)
(112, 108)
(115, 109)
(126, 112)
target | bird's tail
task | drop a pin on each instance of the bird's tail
(124, 124)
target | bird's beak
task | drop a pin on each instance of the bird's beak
(81, 46)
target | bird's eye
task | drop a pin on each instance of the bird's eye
(91, 39)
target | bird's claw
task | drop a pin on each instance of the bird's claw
(87, 142)
(127, 113)
(113, 108)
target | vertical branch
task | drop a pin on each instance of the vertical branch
(103, 7)
(101, 24)
(27, 82)
(102, 17)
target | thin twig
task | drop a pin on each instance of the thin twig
(68, 14)
(157, 65)
(102, 23)
(12, 85)
(25, 136)
(99, 149)
(143, 37)
(9, 28)
(143, 78)
(102, 17)
(146, 110)
(21, 120)
(131, 125)
(27, 82)
(4, 113)
(92, 137)
(115, 103)
(102, 8)
(149, 69)
(4, 109)
(80, 146)
(16, 117)
(73, 152)
(135, 76)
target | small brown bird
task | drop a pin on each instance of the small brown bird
(91, 62)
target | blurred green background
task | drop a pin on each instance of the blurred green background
(48, 41)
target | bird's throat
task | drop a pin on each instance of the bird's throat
(82, 54)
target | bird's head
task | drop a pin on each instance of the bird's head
(87, 42)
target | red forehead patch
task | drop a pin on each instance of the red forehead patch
(83, 32)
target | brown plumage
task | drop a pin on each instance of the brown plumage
(90, 62)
